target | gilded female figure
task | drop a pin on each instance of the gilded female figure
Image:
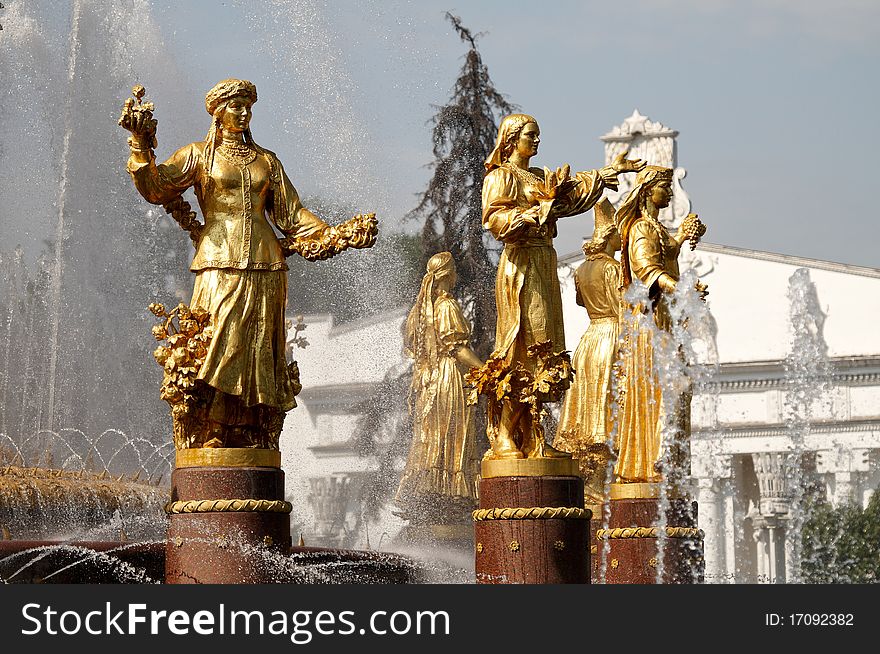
(243, 385)
(439, 481)
(650, 255)
(585, 423)
(520, 207)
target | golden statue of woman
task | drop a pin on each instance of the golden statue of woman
(585, 423)
(650, 255)
(439, 481)
(243, 386)
(520, 207)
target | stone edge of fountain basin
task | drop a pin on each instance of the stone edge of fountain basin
(60, 562)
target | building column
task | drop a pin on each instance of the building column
(329, 501)
(759, 535)
(713, 475)
(770, 517)
(711, 521)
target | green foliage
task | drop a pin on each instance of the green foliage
(842, 545)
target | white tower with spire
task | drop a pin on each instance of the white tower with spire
(655, 143)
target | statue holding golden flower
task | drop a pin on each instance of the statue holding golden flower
(238, 391)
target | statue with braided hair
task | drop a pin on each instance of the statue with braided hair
(649, 255)
(439, 482)
(243, 385)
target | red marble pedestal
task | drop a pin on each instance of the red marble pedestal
(531, 527)
(597, 521)
(226, 523)
(638, 547)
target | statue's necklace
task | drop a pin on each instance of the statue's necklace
(239, 154)
(525, 176)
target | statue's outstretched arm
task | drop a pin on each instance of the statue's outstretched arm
(581, 193)
(312, 238)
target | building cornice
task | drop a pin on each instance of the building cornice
(336, 398)
(576, 257)
(791, 260)
(763, 375)
(782, 431)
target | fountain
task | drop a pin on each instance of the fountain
(93, 290)
(71, 321)
(81, 307)
(784, 476)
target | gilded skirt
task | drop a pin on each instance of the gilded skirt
(586, 412)
(246, 356)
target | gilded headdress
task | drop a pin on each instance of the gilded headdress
(420, 338)
(226, 90)
(631, 209)
(647, 178)
(217, 97)
(603, 229)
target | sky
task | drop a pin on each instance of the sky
(774, 100)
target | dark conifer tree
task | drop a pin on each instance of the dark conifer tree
(464, 131)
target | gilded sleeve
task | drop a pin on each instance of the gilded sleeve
(586, 192)
(452, 328)
(290, 216)
(645, 253)
(612, 279)
(501, 214)
(161, 183)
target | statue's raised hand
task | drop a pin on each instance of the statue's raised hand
(137, 118)
(691, 229)
(623, 165)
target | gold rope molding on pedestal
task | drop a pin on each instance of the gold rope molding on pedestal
(648, 532)
(533, 513)
(225, 506)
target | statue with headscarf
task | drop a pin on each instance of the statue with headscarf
(226, 374)
(649, 255)
(521, 205)
(439, 482)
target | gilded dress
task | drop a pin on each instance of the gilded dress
(442, 461)
(527, 295)
(651, 251)
(585, 418)
(241, 274)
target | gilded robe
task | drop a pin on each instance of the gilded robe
(527, 295)
(651, 252)
(585, 418)
(241, 276)
(442, 459)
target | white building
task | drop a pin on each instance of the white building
(741, 429)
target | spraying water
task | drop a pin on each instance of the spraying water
(55, 302)
(808, 374)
